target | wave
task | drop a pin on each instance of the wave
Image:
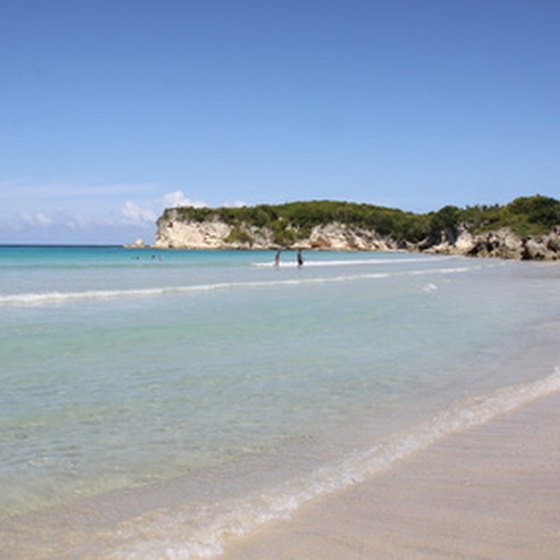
(244, 517)
(45, 298)
(348, 262)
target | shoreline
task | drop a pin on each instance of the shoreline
(272, 248)
(189, 515)
(490, 492)
(486, 492)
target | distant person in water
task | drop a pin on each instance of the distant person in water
(277, 258)
(299, 258)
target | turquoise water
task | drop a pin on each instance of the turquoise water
(212, 387)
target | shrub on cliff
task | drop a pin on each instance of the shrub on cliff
(447, 218)
(238, 235)
(295, 220)
(528, 215)
(542, 212)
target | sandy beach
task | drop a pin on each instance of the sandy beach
(492, 492)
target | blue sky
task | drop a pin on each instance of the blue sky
(112, 110)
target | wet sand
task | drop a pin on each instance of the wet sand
(492, 492)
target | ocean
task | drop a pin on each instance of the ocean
(154, 404)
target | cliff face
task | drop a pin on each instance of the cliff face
(502, 243)
(174, 232)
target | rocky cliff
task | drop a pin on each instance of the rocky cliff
(502, 243)
(176, 232)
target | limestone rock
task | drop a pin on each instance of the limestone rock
(536, 250)
(175, 233)
(465, 243)
(340, 237)
(552, 241)
(138, 244)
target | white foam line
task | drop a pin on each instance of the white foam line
(348, 262)
(63, 297)
(244, 518)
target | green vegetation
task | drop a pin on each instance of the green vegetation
(292, 221)
(295, 220)
(528, 215)
(239, 235)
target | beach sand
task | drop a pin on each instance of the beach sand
(492, 492)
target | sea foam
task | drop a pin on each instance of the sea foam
(168, 537)
(346, 262)
(56, 297)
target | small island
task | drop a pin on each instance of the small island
(528, 228)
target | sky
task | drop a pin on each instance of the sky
(111, 110)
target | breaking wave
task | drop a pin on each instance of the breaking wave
(44, 298)
(346, 262)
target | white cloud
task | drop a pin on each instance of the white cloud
(39, 219)
(178, 198)
(79, 222)
(62, 212)
(236, 204)
(135, 214)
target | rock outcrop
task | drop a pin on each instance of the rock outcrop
(173, 232)
(138, 244)
(214, 234)
(503, 244)
(177, 234)
(340, 237)
(500, 244)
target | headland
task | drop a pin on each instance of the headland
(526, 229)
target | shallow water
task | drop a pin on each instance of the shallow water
(162, 400)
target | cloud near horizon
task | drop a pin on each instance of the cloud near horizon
(134, 213)
(119, 222)
(39, 219)
(86, 214)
